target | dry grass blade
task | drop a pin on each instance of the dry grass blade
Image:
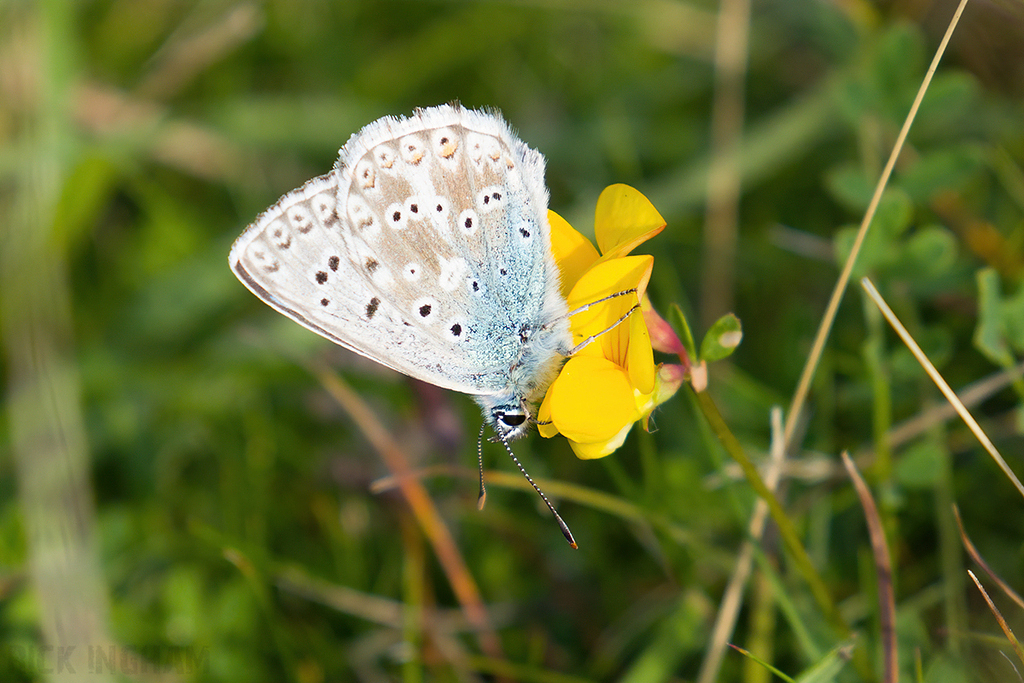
(722, 217)
(804, 385)
(940, 382)
(188, 54)
(999, 617)
(423, 509)
(883, 568)
(976, 556)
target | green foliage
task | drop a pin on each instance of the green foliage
(722, 339)
(1000, 330)
(243, 530)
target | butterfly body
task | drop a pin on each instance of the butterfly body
(427, 249)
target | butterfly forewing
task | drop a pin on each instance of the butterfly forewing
(426, 249)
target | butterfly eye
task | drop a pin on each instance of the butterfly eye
(511, 419)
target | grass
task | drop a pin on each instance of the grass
(198, 489)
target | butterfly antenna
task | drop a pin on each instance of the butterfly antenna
(482, 496)
(591, 304)
(561, 523)
(586, 342)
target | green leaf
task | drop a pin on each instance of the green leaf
(722, 339)
(778, 672)
(850, 185)
(945, 170)
(950, 106)
(1013, 319)
(990, 333)
(829, 666)
(894, 214)
(882, 246)
(677, 319)
(920, 467)
(932, 250)
(899, 62)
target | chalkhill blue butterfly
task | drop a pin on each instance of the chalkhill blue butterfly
(426, 249)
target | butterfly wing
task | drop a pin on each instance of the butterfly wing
(426, 249)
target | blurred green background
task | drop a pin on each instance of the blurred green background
(176, 483)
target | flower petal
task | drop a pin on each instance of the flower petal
(572, 251)
(591, 400)
(624, 218)
(640, 355)
(599, 449)
(545, 426)
(663, 337)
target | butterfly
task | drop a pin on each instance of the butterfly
(426, 249)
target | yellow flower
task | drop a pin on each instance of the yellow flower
(612, 382)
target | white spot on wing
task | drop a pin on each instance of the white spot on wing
(452, 271)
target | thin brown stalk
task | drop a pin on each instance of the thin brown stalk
(970, 395)
(883, 571)
(1007, 631)
(976, 556)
